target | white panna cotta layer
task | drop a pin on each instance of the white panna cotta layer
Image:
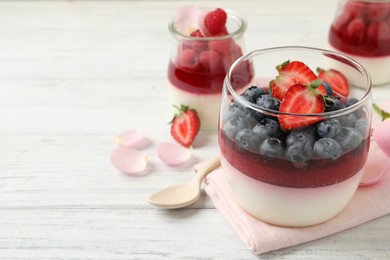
(207, 105)
(290, 207)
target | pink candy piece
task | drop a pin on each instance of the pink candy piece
(173, 154)
(128, 160)
(132, 138)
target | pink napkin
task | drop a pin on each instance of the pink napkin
(368, 203)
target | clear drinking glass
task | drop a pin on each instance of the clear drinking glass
(286, 188)
(198, 66)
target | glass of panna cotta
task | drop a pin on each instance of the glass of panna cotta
(294, 168)
(200, 60)
(361, 29)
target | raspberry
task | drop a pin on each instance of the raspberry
(378, 31)
(354, 8)
(211, 60)
(356, 28)
(223, 46)
(197, 34)
(215, 21)
(377, 12)
(188, 59)
(342, 20)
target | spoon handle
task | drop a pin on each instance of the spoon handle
(206, 167)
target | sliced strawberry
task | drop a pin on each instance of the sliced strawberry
(215, 21)
(291, 73)
(301, 99)
(337, 81)
(185, 125)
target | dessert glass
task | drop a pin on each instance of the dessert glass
(361, 29)
(198, 83)
(275, 189)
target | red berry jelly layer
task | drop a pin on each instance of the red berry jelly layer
(197, 82)
(317, 173)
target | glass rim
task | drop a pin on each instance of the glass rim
(329, 114)
(230, 13)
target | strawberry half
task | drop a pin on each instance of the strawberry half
(337, 81)
(185, 125)
(291, 73)
(301, 99)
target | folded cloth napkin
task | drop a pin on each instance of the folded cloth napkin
(368, 203)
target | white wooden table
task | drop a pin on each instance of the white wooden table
(73, 75)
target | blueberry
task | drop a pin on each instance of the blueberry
(250, 119)
(269, 102)
(272, 147)
(267, 128)
(333, 104)
(303, 135)
(351, 101)
(299, 153)
(328, 128)
(349, 138)
(348, 120)
(246, 139)
(328, 88)
(232, 111)
(254, 92)
(327, 148)
(232, 126)
(362, 126)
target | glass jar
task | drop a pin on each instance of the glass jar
(198, 66)
(278, 175)
(361, 29)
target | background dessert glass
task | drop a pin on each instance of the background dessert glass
(361, 29)
(196, 80)
(273, 188)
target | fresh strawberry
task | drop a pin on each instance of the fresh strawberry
(337, 81)
(291, 73)
(185, 125)
(215, 21)
(301, 99)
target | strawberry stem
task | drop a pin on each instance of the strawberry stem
(319, 69)
(279, 67)
(382, 113)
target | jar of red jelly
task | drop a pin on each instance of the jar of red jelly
(206, 43)
(361, 29)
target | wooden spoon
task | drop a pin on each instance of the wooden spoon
(184, 194)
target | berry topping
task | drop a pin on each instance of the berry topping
(301, 99)
(327, 148)
(185, 125)
(254, 92)
(210, 60)
(269, 102)
(215, 21)
(272, 147)
(356, 29)
(291, 73)
(349, 138)
(188, 59)
(246, 139)
(336, 80)
(329, 128)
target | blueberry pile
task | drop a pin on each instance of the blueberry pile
(262, 134)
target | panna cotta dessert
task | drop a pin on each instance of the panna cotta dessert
(361, 29)
(293, 150)
(207, 42)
